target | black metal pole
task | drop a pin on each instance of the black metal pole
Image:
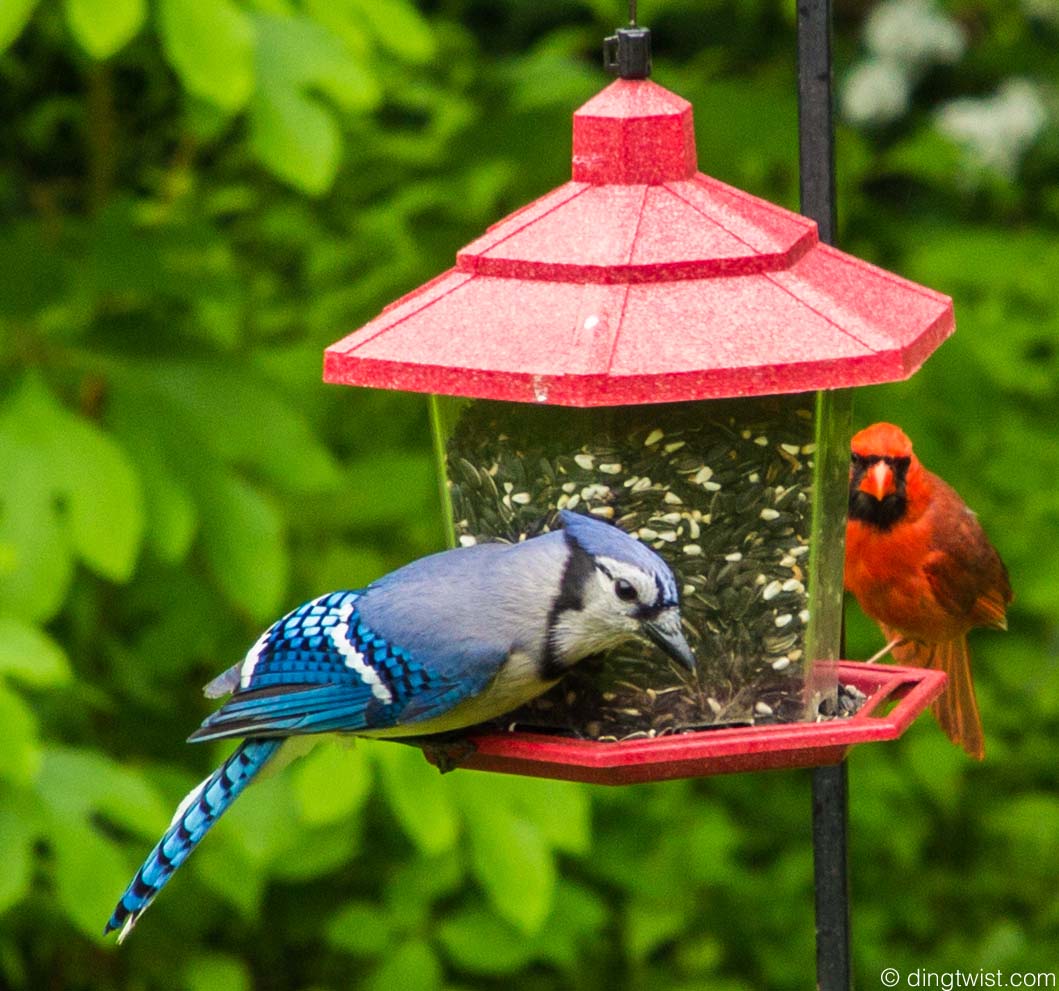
(831, 876)
(816, 132)
(816, 157)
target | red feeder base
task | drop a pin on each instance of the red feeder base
(720, 751)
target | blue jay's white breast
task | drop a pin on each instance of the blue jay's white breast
(516, 682)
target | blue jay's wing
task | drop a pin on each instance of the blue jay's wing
(321, 668)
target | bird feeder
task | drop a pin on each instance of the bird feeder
(651, 346)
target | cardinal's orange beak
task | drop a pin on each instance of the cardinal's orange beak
(878, 481)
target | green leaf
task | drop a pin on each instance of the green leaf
(224, 867)
(17, 835)
(171, 516)
(242, 534)
(105, 518)
(79, 784)
(559, 809)
(30, 655)
(295, 138)
(67, 487)
(216, 972)
(414, 887)
(210, 44)
(418, 796)
(361, 929)
(411, 967)
(395, 25)
(35, 560)
(13, 17)
(477, 941)
(89, 874)
(578, 915)
(315, 853)
(649, 924)
(292, 133)
(20, 756)
(509, 855)
(398, 26)
(331, 783)
(104, 26)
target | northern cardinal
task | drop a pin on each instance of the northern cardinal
(921, 566)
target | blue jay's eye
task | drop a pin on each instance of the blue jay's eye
(624, 590)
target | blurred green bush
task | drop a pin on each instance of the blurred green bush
(199, 195)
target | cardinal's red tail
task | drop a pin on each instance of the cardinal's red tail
(957, 709)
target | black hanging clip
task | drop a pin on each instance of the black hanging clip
(628, 53)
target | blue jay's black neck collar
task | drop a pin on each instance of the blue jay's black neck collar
(576, 573)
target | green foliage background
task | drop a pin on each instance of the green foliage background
(198, 196)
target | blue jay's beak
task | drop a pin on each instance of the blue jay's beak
(665, 632)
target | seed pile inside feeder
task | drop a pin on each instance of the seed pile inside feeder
(720, 490)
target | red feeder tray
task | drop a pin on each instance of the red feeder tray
(720, 751)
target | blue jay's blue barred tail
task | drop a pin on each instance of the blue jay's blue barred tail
(443, 643)
(199, 810)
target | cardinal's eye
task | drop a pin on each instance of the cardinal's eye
(624, 590)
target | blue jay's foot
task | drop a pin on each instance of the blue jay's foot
(446, 752)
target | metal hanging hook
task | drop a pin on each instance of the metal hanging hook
(627, 53)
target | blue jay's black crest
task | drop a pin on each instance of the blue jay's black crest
(604, 540)
(445, 642)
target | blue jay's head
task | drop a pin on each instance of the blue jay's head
(614, 589)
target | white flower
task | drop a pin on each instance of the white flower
(913, 33)
(996, 130)
(875, 92)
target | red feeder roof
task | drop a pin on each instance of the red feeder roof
(643, 280)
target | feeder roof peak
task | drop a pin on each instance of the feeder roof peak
(631, 98)
(634, 131)
(643, 280)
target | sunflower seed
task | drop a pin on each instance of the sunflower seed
(771, 590)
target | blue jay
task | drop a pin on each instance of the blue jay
(445, 642)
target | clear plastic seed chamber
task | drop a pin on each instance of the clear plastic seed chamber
(653, 347)
(724, 492)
